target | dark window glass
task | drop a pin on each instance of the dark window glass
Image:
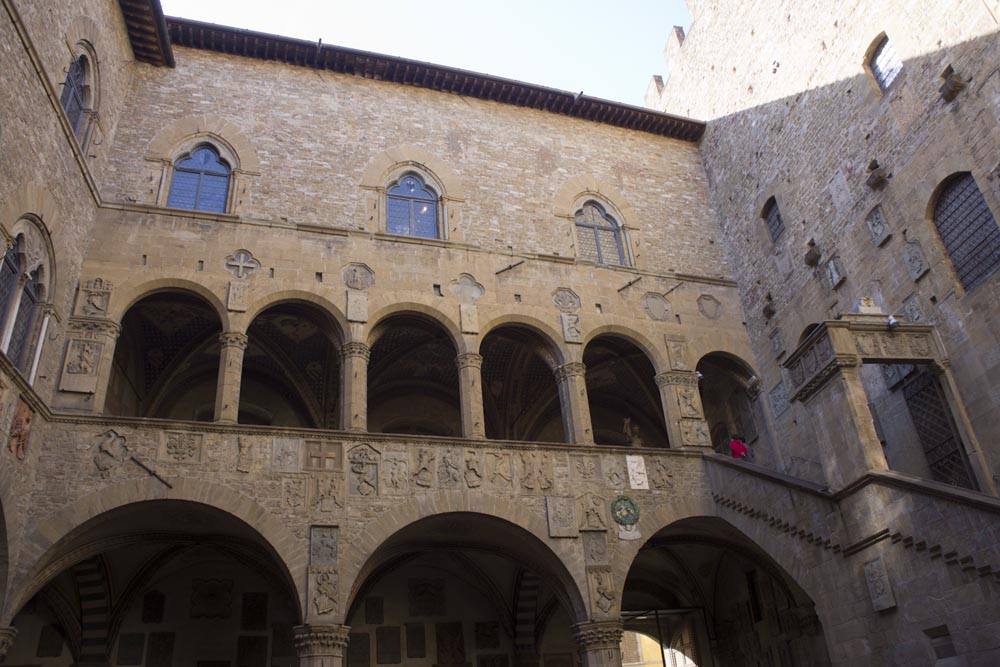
(411, 209)
(885, 64)
(74, 94)
(17, 350)
(8, 280)
(968, 230)
(775, 225)
(599, 236)
(200, 182)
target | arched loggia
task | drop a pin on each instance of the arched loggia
(178, 581)
(729, 394)
(710, 596)
(291, 368)
(625, 405)
(166, 361)
(413, 385)
(520, 395)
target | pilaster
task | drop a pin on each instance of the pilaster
(686, 425)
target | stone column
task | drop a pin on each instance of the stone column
(571, 378)
(686, 425)
(227, 392)
(470, 379)
(354, 386)
(321, 645)
(7, 637)
(599, 643)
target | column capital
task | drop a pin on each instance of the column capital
(680, 378)
(595, 635)
(355, 349)
(233, 339)
(320, 640)
(568, 370)
(7, 637)
(469, 360)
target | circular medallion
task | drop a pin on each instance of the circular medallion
(625, 511)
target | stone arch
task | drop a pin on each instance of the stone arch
(215, 129)
(285, 296)
(127, 296)
(430, 312)
(653, 353)
(31, 199)
(392, 163)
(714, 340)
(37, 251)
(38, 562)
(358, 562)
(560, 353)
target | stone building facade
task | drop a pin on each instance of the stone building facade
(319, 357)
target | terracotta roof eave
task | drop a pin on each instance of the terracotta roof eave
(147, 31)
(343, 60)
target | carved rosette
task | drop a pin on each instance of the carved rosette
(598, 635)
(320, 640)
(233, 339)
(676, 378)
(469, 360)
(7, 637)
(572, 369)
(356, 349)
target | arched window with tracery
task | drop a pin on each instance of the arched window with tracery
(75, 97)
(967, 229)
(22, 289)
(200, 181)
(599, 236)
(412, 208)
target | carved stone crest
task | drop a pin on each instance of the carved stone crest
(325, 493)
(242, 264)
(324, 589)
(661, 476)
(94, 297)
(80, 372)
(535, 473)
(878, 227)
(677, 350)
(181, 447)
(20, 429)
(244, 456)
(395, 473)
(561, 513)
(602, 587)
(709, 306)
(913, 257)
(294, 491)
(912, 309)
(777, 343)
(473, 469)
(595, 548)
(450, 469)
(466, 289)
(323, 545)
(657, 306)
(423, 467)
(236, 297)
(586, 469)
(110, 451)
(835, 275)
(879, 587)
(566, 300)
(689, 402)
(591, 512)
(572, 333)
(364, 462)
(694, 433)
(358, 276)
(285, 455)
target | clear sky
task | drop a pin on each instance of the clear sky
(605, 48)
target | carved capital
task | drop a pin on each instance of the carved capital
(233, 339)
(572, 369)
(356, 349)
(7, 637)
(320, 640)
(678, 378)
(469, 360)
(597, 635)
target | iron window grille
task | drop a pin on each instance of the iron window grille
(968, 230)
(772, 216)
(200, 182)
(412, 209)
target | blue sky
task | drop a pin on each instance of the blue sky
(606, 49)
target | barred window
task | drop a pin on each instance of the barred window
(967, 229)
(21, 334)
(599, 236)
(412, 209)
(200, 181)
(772, 216)
(885, 64)
(75, 99)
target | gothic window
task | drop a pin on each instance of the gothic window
(412, 208)
(772, 216)
(24, 320)
(200, 181)
(884, 63)
(968, 230)
(75, 98)
(599, 236)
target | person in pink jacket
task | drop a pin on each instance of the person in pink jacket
(738, 448)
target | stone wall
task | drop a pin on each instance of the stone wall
(796, 116)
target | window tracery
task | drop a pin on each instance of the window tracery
(200, 181)
(412, 208)
(599, 236)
